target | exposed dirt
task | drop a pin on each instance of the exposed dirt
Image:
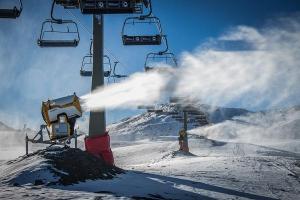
(73, 165)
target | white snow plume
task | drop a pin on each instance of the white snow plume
(277, 128)
(139, 89)
(265, 75)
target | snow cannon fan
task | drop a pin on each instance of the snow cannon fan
(60, 116)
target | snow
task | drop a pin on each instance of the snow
(249, 156)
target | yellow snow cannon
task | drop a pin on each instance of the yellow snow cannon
(60, 116)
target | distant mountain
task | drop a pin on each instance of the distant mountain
(151, 125)
(4, 127)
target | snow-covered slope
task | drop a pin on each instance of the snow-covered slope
(152, 125)
(276, 128)
(244, 156)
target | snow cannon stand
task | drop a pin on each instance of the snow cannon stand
(99, 146)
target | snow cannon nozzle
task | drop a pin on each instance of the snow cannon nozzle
(60, 115)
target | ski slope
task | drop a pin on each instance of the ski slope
(249, 156)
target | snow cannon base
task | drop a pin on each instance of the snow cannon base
(99, 146)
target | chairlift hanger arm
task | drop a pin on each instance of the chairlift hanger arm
(147, 4)
(91, 47)
(167, 46)
(52, 17)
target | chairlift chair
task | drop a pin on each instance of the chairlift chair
(48, 28)
(115, 75)
(111, 6)
(86, 60)
(12, 13)
(151, 39)
(107, 73)
(143, 39)
(156, 57)
(165, 56)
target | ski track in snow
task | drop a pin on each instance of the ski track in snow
(142, 145)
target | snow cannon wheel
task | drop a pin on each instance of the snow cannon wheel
(99, 146)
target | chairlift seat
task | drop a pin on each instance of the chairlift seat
(10, 13)
(58, 43)
(110, 6)
(142, 40)
(86, 73)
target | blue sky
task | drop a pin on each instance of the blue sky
(30, 74)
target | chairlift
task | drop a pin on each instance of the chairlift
(68, 4)
(48, 28)
(112, 6)
(12, 13)
(86, 61)
(107, 73)
(114, 75)
(160, 57)
(143, 39)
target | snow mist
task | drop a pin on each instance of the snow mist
(138, 89)
(266, 75)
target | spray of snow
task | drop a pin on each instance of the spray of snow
(139, 89)
(267, 75)
(262, 78)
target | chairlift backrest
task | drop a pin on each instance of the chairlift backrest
(12, 13)
(111, 6)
